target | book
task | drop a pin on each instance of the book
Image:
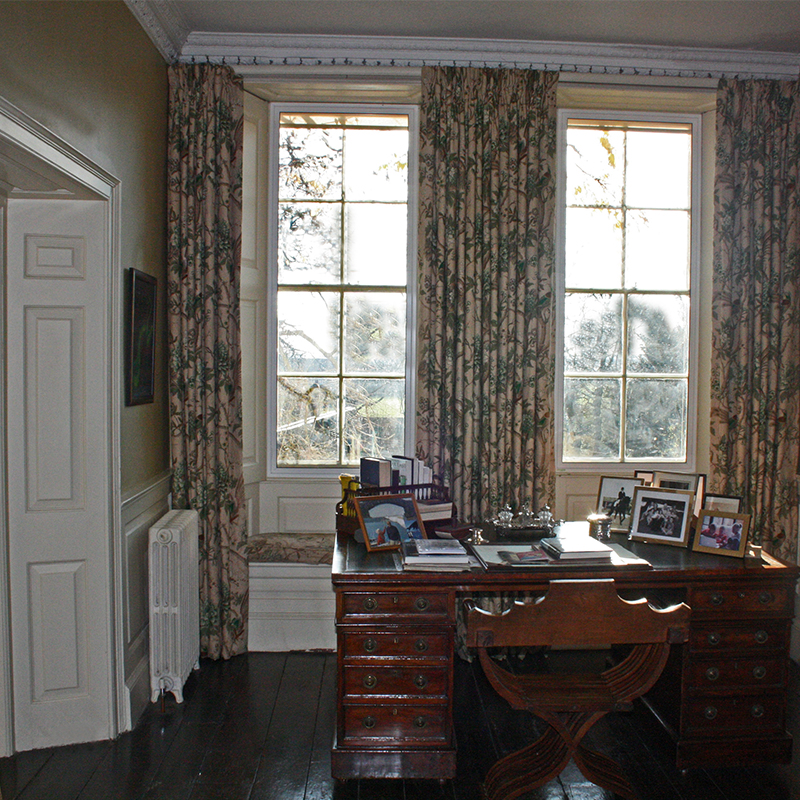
(376, 471)
(536, 555)
(404, 468)
(433, 552)
(576, 547)
(430, 510)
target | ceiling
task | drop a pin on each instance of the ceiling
(761, 25)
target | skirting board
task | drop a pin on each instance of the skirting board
(292, 607)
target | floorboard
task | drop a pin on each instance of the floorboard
(260, 727)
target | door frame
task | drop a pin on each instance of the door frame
(36, 142)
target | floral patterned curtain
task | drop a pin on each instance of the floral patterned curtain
(486, 285)
(755, 392)
(204, 246)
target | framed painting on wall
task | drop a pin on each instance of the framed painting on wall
(140, 362)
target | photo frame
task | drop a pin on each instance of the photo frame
(723, 502)
(661, 515)
(646, 475)
(388, 519)
(687, 481)
(141, 339)
(615, 498)
(722, 533)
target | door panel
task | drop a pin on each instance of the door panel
(59, 482)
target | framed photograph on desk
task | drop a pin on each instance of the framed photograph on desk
(387, 519)
(661, 515)
(615, 498)
(722, 533)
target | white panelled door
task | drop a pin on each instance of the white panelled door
(58, 470)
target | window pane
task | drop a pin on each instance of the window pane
(595, 161)
(310, 164)
(657, 250)
(592, 418)
(658, 334)
(308, 421)
(308, 332)
(656, 419)
(376, 165)
(375, 332)
(373, 417)
(594, 248)
(592, 333)
(375, 244)
(659, 169)
(309, 243)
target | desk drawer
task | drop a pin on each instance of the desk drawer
(413, 682)
(407, 724)
(422, 645)
(746, 673)
(739, 602)
(755, 715)
(753, 635)
(423, 605)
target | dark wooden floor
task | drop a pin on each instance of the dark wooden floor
(260, 727)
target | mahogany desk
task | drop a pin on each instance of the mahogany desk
(722, 695)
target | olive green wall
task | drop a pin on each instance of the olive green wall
(87, 71)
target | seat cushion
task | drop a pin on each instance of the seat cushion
(291, 548)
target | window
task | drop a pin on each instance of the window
(627, 307)
(342, 245)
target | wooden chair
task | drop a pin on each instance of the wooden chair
(573, 615)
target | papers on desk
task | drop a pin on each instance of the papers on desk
(505, 556)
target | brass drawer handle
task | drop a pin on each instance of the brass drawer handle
(761, 637)
(370, 603)
(420, 722)
(712, 673)
(759, 673)
(370, 645)
(420, 681)
(709, 712)
(422, 604)
(714, 639)
(717, 599)
(757, 711)
(368, 722)
(370, 681)
(421, 645)
(765, 598)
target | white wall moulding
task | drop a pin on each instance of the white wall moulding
(246, 52)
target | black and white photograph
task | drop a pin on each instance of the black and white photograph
(722, 533)
(615, 499)
(387, 520)
(661, 515)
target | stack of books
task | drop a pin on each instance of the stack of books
(576, 548)
(397, 471)
(434, 555)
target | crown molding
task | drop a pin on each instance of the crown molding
(254, 50)
(164, 23)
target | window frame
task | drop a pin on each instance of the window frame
(349, 108)
(597, 114)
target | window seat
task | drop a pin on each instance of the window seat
(292, 605)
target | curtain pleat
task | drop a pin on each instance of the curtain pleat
(486, 315)
(755, 391)
(204, 246)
